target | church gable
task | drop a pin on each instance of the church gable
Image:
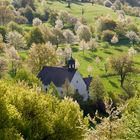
(78, 83)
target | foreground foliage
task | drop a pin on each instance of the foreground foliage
(26, 114)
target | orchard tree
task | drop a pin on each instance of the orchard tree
(16, 40)
(110, 126)
(105, 23)
(23, 3)
(67, 89)
(63, 16)
(59, 24)
(13, 26)
(114, 39)
(83, 46)
(108, 3)
(69, 36)
(53, 17)
(67, 52)
(90, 69)
(37, 22)
(29, 14)
(2, 45)
(58, 36)
(13, 58)
(77, 25)
(3, 66)
(77, 64)
(47, 34)
(97, 90)
(97, 60)
(69, 3)
(41, 55)
(132, 52)
(25, 75)
(122, 65)
(6, 14)
(61, 55)
(84, 33)
(92, 2)
(35, 36)
(133, 37)
(93, 44)
(72, 21)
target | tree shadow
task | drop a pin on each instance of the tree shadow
(118, 49)
(78, 3)
(92, 55)
(75, 49)
(87, 58)
(107, 52)
(137, 49)
(113, 84)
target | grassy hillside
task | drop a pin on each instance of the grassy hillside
(91, 12)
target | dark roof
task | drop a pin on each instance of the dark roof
(87, 81)
(57, 75)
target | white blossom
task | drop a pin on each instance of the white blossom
(114, 39)
(69, 36)
(131, 51)
(37, 22)
(59, 24)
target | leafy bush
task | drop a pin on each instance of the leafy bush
(25, 114)
(3, 32)
(35, 36)
(106, 23)
(12, 26)
(108, 3)
(107, 35)
(26, 76)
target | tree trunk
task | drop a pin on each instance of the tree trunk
(122, 80)
(69, 4)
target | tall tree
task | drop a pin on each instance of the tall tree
(6, 14)
(84, 33)
(97, 90)
(14, 59)
(122, 65)
(41, 55)
(35, 36)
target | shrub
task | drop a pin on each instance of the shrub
(29, 14)
(28, 114)
(108, 3)
(106, 23)
(26, 76)
(107, 35)
(84, 33)
(53, 17)
(21, 19)
(37, 22)
(16, 40)
(12, 26)
(105, 45)
(3, 32)
(35, 36)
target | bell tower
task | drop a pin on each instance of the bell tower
(71, 64)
